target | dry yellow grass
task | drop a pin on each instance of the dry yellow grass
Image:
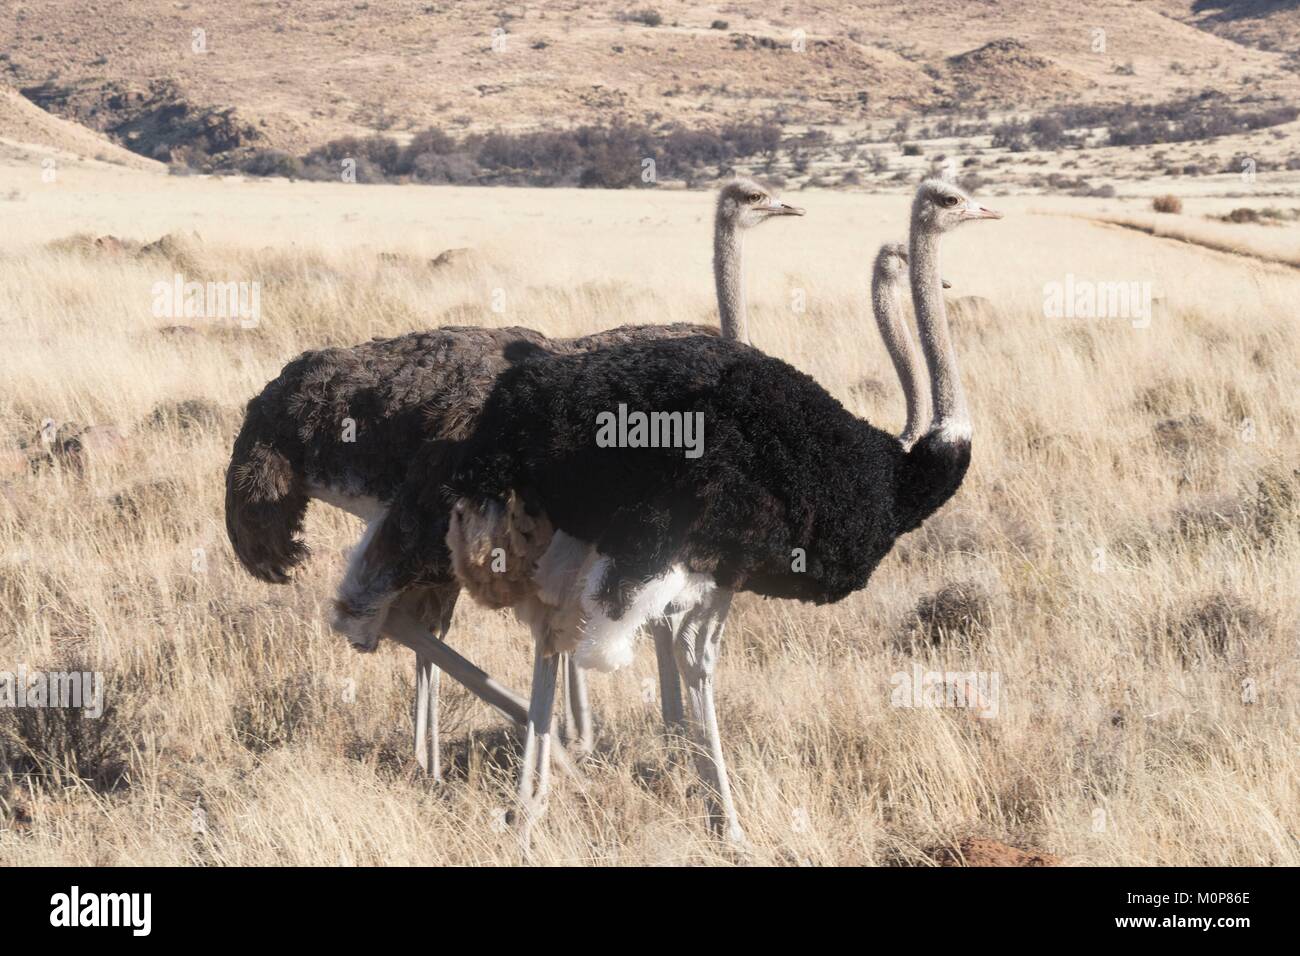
(1127, 730)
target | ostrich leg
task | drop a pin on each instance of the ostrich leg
(426, 716)
(427, 677)
(577, 730)
(568, 717)
(665, 631)
(405, 628)
(698, 643)
(535, 771)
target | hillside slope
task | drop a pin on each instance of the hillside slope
(157, 74)
(23, 122)
(1265, 24)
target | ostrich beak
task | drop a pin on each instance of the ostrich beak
(785, 209)
(975, 211)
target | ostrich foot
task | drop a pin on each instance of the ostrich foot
(736, 841)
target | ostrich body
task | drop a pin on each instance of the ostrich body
(793, 497)
(401, 394)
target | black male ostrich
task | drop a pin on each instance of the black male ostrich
(792, 497)
(343, 425)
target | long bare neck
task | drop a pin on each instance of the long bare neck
(729, 277)
(951, 416)
(886, 304)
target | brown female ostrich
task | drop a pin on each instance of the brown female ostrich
(343, 425)
(792, 497)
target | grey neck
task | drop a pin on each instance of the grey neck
(951, 416)
(729, 277)
(886, 304)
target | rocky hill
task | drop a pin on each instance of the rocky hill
(173, 79)
(23, 122)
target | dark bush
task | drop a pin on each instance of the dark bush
(962, 611)
(1047, 132)
(59, 747)
(1205, 116)
(695, 148)
(271, 162)
(456, 169)
(751, 139)
(607, 157)
(646, 16)
(431, 140)
(1012, 135)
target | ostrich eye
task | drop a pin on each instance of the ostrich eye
(950, 200)
(754, 197)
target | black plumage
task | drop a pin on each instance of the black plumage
(399, 393)
(793, 497)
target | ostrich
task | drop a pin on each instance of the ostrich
(793, 497)
(886, 279)
(400, 394)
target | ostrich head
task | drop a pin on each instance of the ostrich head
(891, 261)
(49, 431)
(744, 203)
(891, 264)
(940, 206)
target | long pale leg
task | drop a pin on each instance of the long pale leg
(401, 626)
(664, 631)
(426, 716)
(377, 596)
(698, 642)
(427, 677)
(535, 772)
(577, 730)
(568, 722)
